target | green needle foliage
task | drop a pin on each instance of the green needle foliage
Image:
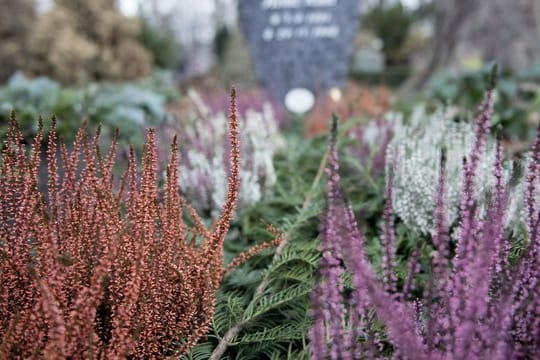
(264, 303)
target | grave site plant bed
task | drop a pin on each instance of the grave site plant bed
(98, 267)
(321, 268)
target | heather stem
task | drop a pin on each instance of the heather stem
(235, 329)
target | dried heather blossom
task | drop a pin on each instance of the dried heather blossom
(92, 273)
(204, 154)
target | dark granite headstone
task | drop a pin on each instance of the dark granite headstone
(300, 43)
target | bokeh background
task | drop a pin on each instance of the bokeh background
(418, 70)
(63, 57)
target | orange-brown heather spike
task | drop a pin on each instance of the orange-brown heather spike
(38, 138)
(275, 231)
(9, 338)
(171, 190)
(95, 144)
(14, 134)
(149, 161)
(54, 123)
(214, 247)
(176, 163)
(93, 256)
(13, 120)
(132, 158)
(109, 160)
(52, 167)
(172, 167)
(131, 175)
(35, 156)
(98, 131)
(122, 186)
(227, 212)
(80, 138)
(69, 164)
(198, 223)
(56, 346)
(40, 124)
(245, 256)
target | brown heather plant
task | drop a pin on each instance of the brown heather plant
(90, 272)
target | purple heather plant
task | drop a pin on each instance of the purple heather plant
(327, 295)
(370, 143)
(248, 101)
(475, 305)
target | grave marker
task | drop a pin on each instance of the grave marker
(300, 44)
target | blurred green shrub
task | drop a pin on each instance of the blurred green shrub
(221, 41)
(129, 106)
(393, 75)
(391, 24)
(161, 43)
(518, 97)
(235, 63)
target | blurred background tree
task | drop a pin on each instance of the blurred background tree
(489, 30)
(221, 40)
(160, 42)
(16, 25)
(235, 65)
(79, 41)
(391, 23)
(397, 31)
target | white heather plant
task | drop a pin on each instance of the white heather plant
(517, 213)
(414, 157)
(203, 178)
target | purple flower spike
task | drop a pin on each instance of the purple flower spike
(476, 304)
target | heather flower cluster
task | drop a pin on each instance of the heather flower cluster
(414, 156)
(248, 100)
(370, 142)
(204, 155)
(88, 271)
(475, 305)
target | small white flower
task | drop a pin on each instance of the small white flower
(414, 155)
